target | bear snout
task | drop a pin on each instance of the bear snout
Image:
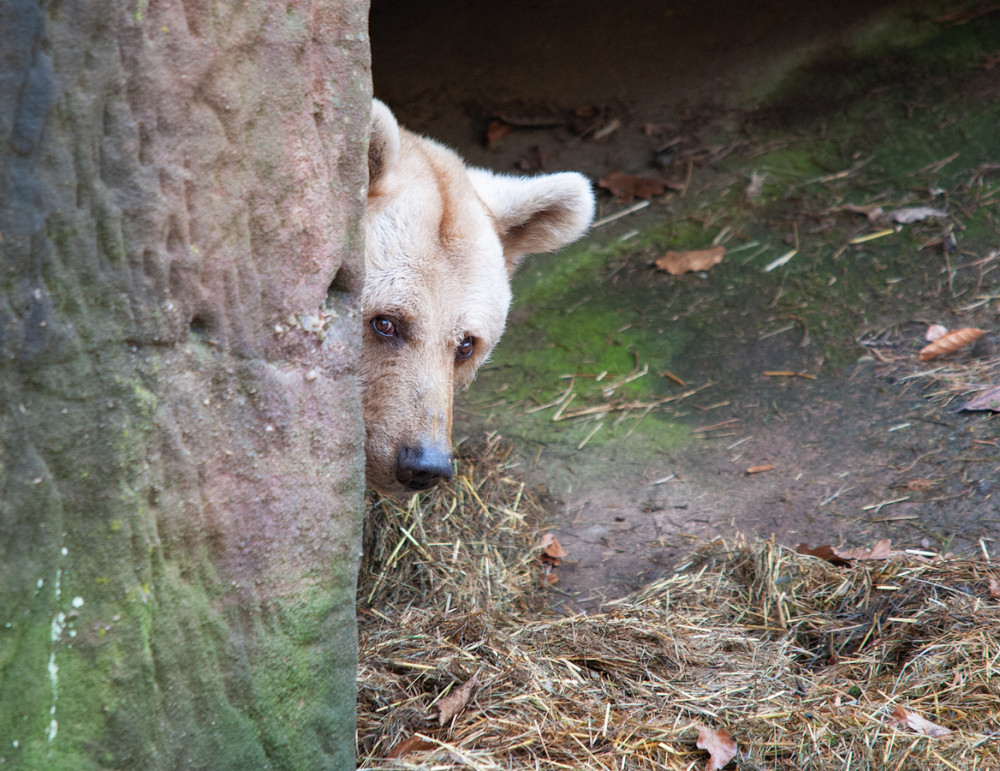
(419, 468)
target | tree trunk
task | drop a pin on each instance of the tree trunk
(181, 468)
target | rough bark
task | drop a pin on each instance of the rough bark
(181, 472)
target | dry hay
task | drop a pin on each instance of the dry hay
(950, 381)
(465, 545)
(802, 661)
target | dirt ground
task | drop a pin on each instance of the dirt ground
(809, 416)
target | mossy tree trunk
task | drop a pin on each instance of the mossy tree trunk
(181, 470)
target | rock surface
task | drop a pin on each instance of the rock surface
(181, 467)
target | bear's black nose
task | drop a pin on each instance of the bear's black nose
(421, 467)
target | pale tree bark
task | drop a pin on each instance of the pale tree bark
(181, 470)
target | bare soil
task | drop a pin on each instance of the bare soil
(865, 446)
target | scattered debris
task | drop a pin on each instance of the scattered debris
(607, 130)
(916, 214)
(987, 401)
(882, 550)
(495, 131)
(755, 186)
(788, 373)
(415, 743)
(677, 263)
(551, 547)
(619, 214)
(935, 332)
(904, 718)
(871, 236)
(951, 342)
(626, 187)
(549, 559)
(779, 261)
(721, 748)
(453, 703)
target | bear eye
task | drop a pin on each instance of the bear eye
(383, 326)
(465, 349)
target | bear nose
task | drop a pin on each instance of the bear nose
(421, 467)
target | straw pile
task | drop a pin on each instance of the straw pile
(806, 664)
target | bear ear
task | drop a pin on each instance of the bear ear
(383, 145)
(535, 214)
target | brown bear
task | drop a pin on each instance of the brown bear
(441, 242)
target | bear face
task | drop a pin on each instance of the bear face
(441, 242)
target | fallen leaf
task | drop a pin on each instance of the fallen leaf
(691, 260)
(628, 186)
(455, 702)
(823, 552)
(987, 400)
(496, 131)
(935, 332)
(880, 551)
(761, 468)
(916, 214)
(721, 749)
(950, 342)
(904, 718)
(552, 548)
(410, 744)
(919, 485)
(994, 588)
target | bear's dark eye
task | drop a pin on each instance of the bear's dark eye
(383, 326)
(465, 349)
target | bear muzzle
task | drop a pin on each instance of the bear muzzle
(420, 468)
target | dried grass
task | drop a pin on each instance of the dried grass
(801, 661)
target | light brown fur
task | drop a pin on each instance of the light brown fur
(441, 241)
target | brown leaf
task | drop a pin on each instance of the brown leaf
(882, 550)
(994, 588)
(823, 552)
(688, 261)
(552, 548)
(903, 718)
(409, 744)
(455, 702)
(496, 131)
(721, 749)
(950, 342)
(760, 469)
(919, 485)
(987, 400)
(628, 186)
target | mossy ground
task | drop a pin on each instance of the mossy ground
(911, 124)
